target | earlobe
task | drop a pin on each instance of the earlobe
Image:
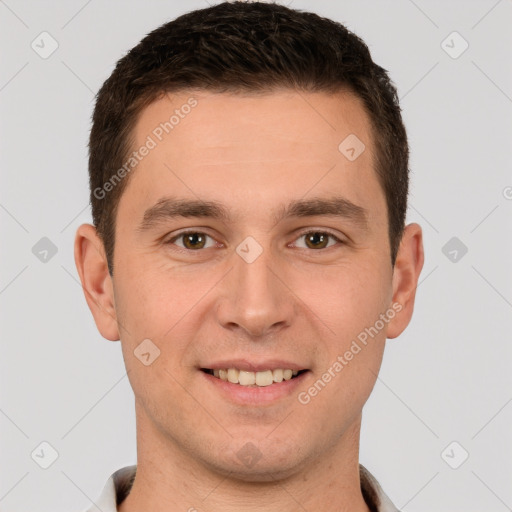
(92, 267)
(408, 265)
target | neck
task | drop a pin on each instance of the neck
(169, 479)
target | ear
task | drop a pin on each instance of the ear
(408, 265)
(91, 263)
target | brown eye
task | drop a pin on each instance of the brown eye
(317, 240)
(192, 240)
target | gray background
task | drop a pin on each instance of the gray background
(446, 379)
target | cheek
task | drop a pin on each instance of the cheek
(350, 301)
(150, 301)
(165, 306)
(347, 298)
(152, 308)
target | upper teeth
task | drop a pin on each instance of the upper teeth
(245, 378)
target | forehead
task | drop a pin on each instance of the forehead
(310, 125)
(262, 147)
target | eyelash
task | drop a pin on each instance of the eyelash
(183, 233)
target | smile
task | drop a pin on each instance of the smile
(253, 379)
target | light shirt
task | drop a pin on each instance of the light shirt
(120, 482)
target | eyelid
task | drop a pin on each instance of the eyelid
(323, 231)
(173, 238)
(306, 231)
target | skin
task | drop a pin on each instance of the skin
(295, 302)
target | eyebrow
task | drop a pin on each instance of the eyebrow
(168, 208)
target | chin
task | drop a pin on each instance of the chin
(268, 471)
(252, 462)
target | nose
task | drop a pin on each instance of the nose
(255, 297)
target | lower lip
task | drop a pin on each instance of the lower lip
(245, 395)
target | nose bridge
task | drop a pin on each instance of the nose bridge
(255, 300)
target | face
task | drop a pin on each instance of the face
(248, 242)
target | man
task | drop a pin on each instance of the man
(249, 177)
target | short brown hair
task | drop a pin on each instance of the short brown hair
(239, 47)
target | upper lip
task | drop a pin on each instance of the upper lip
(253, 366)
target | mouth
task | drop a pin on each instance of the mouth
(253, 379)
